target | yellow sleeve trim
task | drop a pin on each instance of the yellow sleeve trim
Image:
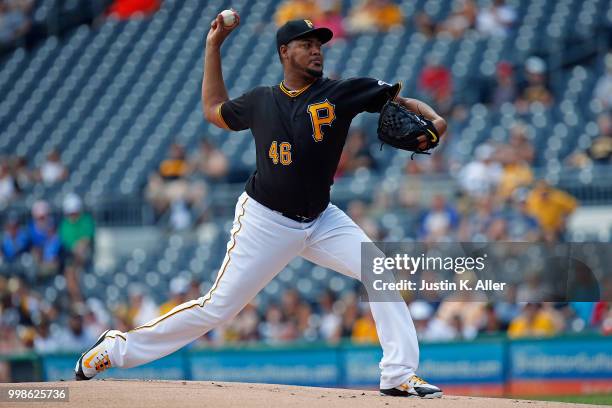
(221, 117)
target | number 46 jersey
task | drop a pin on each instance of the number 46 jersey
(299, 136)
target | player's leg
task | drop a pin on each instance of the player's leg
(335, 243)
(258, 249)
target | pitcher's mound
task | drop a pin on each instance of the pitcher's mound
(167, 394)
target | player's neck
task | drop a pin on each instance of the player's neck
(294, 81)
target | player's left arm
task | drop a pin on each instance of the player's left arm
(424, 109)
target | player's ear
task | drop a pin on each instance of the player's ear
(282, 52)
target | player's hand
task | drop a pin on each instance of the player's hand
(422, 142)
(218, 32)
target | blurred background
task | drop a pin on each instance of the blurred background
(116, 197)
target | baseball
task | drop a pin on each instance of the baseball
(229, 18)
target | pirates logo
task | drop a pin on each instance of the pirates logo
(309, 23)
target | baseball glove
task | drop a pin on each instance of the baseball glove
(400, 128)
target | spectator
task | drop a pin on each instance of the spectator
(96, 317)
(463, 311)
(374, 15)
(45, 341)
(425, 24)
(22, 174)
(8, 186)
(490, 323)
(168, 184)
(436, 83)
(306, 322)
(505, 89)
(349, 316)
(439, 222)
(37, 229)
(170, 189)
(356, 154)
(497, 19)
(535, 90)
(75, 337)
(330, 322)
(551, 207)
(475, 227)
(53, 170)
(364, 330)
(481, 176)
(209, 162)
(331, 17)
(534, 321)
(44, 240)
(519, 142)
(290, 303)
(244, 326)
(462, 18)
(178, 294)
(297, 10)
(76, 232)
(142, 308)
(600, 151)
(521, 227)
(516, 173)
(507, 308)
(603, 88)
(421, 313)
(14, 239)
(274, 328)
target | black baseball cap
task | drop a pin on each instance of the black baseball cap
(294, 29)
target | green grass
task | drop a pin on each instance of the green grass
(599, 399)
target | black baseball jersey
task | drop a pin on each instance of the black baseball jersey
(299, 136)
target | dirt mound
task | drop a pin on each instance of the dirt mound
(166, 394)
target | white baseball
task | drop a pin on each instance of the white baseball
(229, 18)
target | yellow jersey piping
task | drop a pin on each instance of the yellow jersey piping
(216, 284)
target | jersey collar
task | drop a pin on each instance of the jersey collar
(295, 93)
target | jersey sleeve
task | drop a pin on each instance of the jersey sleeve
(236, 113)
(369, 94)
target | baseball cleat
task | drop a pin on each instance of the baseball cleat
(414, 387)
(93, 361)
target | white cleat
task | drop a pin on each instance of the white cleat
(414, 387)
(95, 360)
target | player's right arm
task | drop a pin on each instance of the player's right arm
(214, 92)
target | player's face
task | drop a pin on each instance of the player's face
(305, 55)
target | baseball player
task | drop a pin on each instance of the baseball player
(299, 127)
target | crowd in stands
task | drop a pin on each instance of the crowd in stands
(497, 19)
(179, 186)
(332, 317)
(499, 198)
(17, 176)
(43, 246)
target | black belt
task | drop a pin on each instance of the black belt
(300, 218)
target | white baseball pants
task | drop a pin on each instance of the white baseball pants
(262, 243)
